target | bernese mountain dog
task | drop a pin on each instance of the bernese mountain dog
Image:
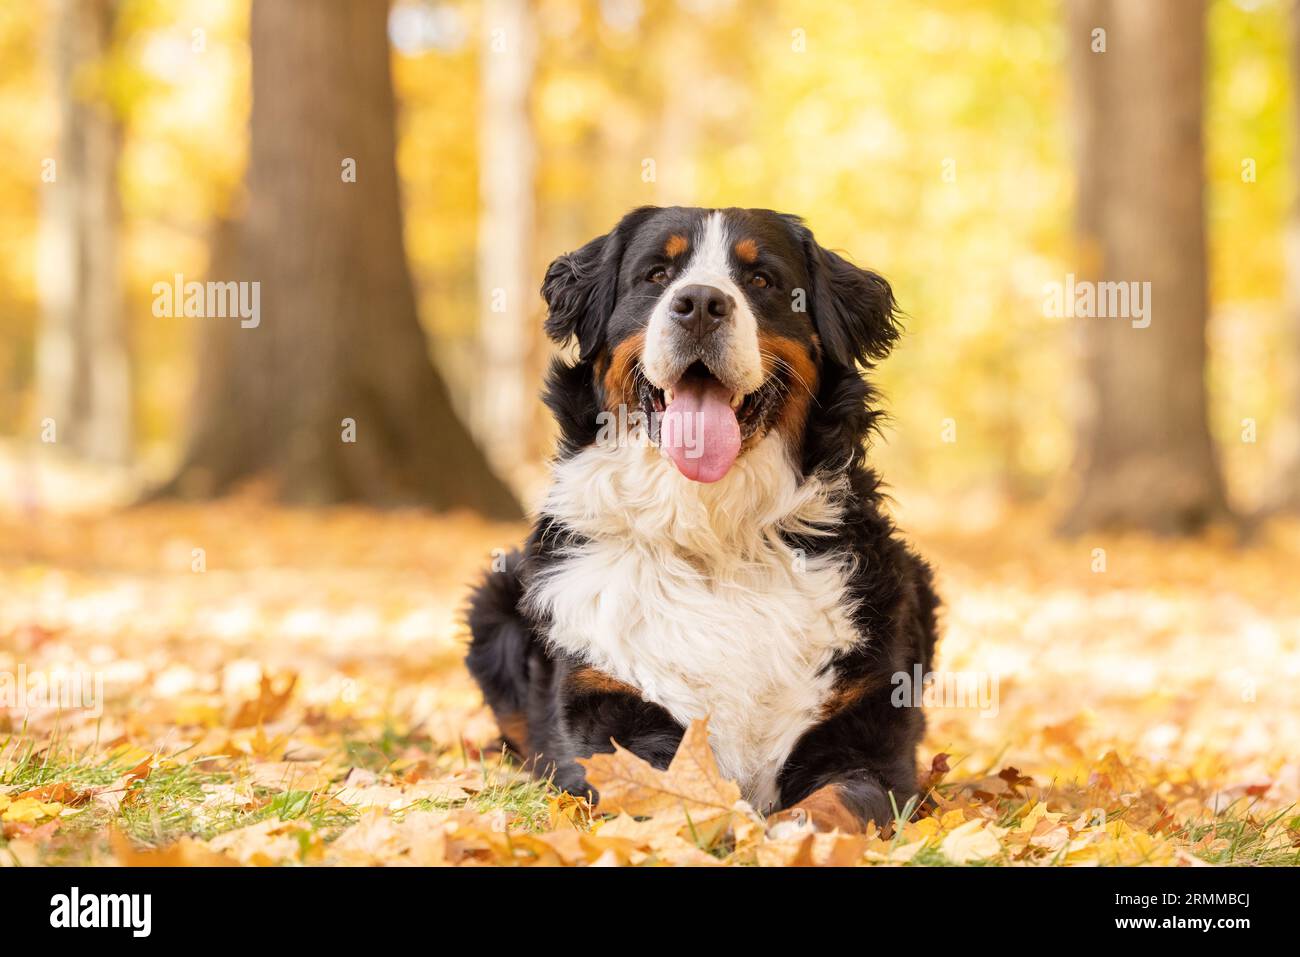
(713, 542)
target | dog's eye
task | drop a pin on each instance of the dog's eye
(659, 275)
(760, 280)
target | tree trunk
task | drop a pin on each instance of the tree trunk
(1145, 454)
(509, 326)
(83, 366)
(338, 343)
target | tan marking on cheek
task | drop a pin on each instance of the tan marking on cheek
(826, 811)
(587, 680)
(619, 378)
(676, 245)
(798, 370)
(747, 250)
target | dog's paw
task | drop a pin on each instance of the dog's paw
(573, 780)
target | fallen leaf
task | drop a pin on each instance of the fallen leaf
(60, 792)
(1014, 779)
(935, 775)
(692, 782)
(28, 810)
(972, 841)
(268, 843)
(418, 838)
(267, 706)
(187, 852)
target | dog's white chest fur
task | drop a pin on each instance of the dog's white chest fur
(688, 592)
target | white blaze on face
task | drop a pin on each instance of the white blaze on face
(738, 364)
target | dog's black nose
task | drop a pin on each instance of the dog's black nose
(700, 309)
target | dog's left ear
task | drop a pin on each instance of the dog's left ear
(853, 309)
(581, 287)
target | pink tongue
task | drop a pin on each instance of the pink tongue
(699, 430)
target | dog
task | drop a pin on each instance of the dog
(713, 542)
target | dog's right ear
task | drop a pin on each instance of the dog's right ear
(581, 287)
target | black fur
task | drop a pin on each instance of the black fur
(853, 309)
(864, 749)
(581, 287)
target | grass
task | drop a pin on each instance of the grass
(175, 801)
(384, 727)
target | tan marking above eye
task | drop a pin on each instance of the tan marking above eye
(747, 250)
(676, 245)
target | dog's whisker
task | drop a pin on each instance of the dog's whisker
(784, 364)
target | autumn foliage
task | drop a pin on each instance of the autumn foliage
(300, 700)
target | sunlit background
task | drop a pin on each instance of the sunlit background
(263, 656)
(930, 141)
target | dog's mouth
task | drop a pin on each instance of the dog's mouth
(701, 424)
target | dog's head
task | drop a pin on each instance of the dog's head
(716, 325)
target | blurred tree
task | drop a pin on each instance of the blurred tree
(332, 394)
(509, 327)
(1145, 454)
(83, 367)
(1287, 494)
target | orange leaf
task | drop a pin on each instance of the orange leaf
(692, 782)
(59, 791)
(938, 769)
(266, 706)
(186, 852)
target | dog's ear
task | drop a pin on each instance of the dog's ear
(853, 309)
(581, 287)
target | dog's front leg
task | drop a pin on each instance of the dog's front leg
(595, 710)
(856, 768)
(847, 802)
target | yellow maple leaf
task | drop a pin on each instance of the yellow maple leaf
(29, 810)
(668, 836)
(973, 841)
(1031, 818)
(419, 838)
(933, 826)
(692, 783)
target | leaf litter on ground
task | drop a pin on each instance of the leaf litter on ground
(301, 700)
